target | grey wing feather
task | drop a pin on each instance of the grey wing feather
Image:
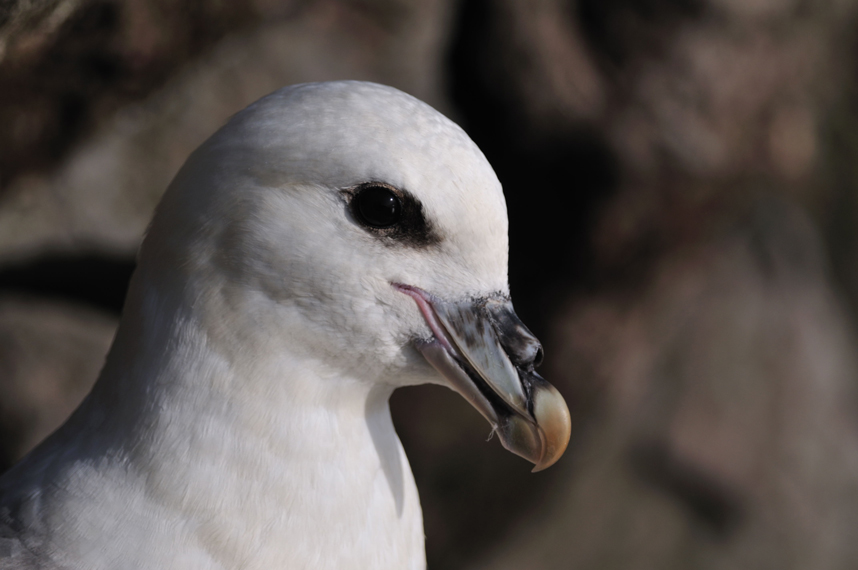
(15, 556)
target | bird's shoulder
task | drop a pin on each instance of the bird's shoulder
(18, 545)
(14, 554)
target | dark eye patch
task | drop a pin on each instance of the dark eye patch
(395, 216)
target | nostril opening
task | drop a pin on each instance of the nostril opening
(524, 349)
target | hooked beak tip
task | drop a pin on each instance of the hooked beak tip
(541, 442)
(554, 423)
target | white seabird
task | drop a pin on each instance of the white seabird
(309, 258)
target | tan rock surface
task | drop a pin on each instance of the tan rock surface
(50, 355)
(726, 433)
(103, 194)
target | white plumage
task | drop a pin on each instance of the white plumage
(241, 419)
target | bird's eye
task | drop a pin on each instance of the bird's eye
(377, 206)
(393, 215)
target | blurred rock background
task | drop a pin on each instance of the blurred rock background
(682, 181)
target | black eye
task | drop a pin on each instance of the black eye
(393, 215)
(377, 206)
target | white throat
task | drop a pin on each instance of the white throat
(279, 462)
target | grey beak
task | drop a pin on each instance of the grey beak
(487, 354)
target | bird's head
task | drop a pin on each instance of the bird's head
(360, 227)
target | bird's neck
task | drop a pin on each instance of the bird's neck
(255, 458)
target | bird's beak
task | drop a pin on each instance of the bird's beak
(488, 355)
